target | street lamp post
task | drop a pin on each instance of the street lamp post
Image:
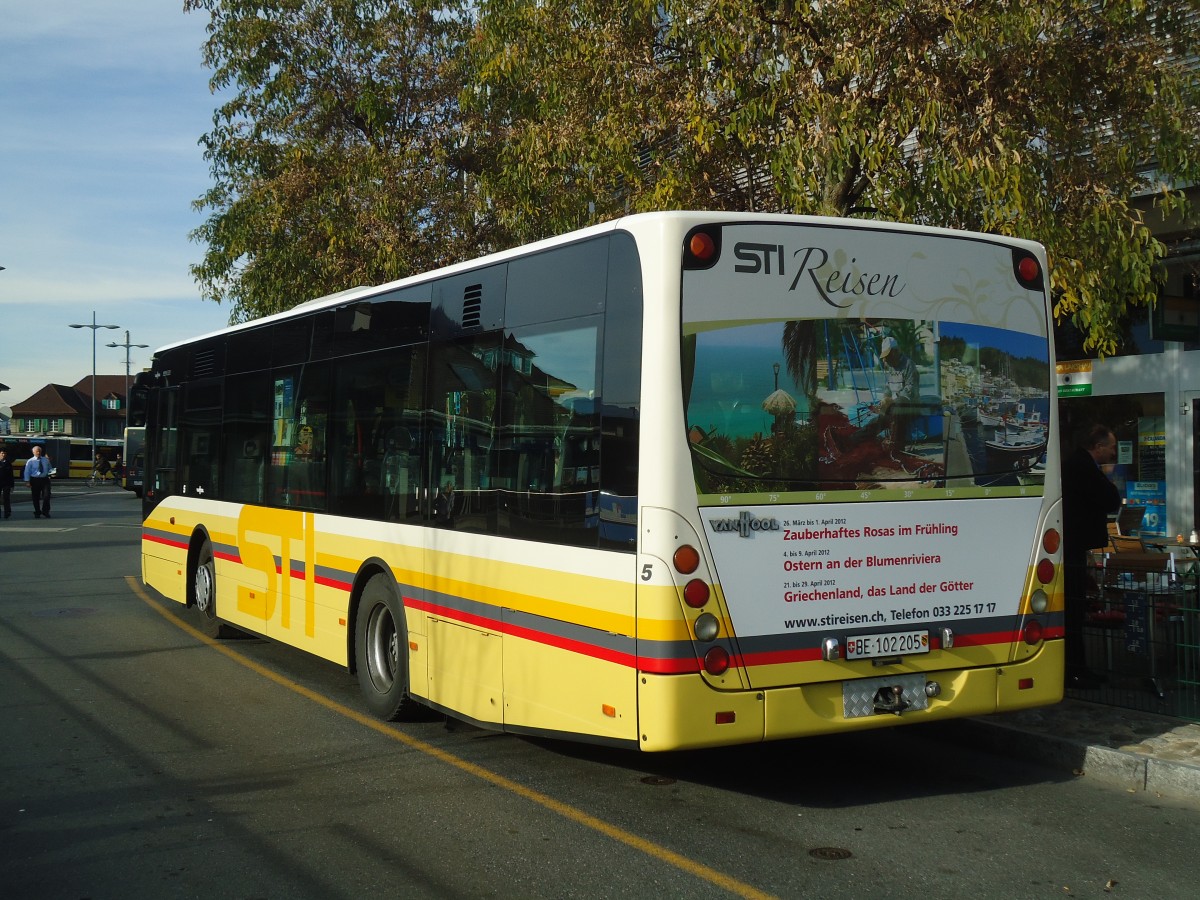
(126, 345)
(94, 326)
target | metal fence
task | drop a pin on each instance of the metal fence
(1142, 634)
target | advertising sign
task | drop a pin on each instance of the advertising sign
(1074, 378)
(877, 566)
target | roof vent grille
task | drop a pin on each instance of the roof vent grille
(472, 305)
(204, 363)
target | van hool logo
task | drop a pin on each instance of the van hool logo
(744, 524)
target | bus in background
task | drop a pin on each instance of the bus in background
(71, 457)
(82, 459)
(20, 448)
(133, 459)
(681, 480)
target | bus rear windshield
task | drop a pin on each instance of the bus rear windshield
(823, 404)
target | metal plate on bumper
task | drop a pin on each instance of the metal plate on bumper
(858, 697)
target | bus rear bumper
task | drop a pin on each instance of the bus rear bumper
(681, 712)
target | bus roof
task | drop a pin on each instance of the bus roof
(625, 222)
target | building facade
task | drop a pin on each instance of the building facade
(61, 411)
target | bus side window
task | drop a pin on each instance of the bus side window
(548, 466)
(621, 389)
(371, 434)
(247, 436)
(460, 427)
(299, 429)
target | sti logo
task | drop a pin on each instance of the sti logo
(811, 264)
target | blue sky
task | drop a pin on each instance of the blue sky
(102, 105)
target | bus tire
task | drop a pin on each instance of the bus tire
(204, 594)
(381, 651)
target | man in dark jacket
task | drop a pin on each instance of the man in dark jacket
(1088, 500)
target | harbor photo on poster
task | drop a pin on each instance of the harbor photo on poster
(829, 404)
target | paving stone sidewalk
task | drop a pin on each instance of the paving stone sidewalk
(1124, 748)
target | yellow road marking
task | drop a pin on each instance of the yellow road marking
(565, 810)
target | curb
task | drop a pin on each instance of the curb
(1125, 769)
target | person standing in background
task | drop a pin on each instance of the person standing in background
(37, 473)
(1088, 500)
(6, 484)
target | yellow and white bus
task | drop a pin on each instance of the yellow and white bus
(680, 480)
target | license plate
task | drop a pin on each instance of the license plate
(895, 643)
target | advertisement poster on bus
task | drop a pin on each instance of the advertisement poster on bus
(833, 567)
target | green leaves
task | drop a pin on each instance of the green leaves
(333, 152)
(1025, 119)
(359, 141)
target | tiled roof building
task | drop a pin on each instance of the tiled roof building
(60, 410)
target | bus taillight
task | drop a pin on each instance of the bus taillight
(695, 593)
(1028, 270)
(686, 559)
(716, 661)
(707, 627)
(1045, 571)
(701, 248)
(1038, 601)
(1033, 632)
(1051, 540)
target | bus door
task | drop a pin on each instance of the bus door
(461, 496)
(162, 451)
(199, 438)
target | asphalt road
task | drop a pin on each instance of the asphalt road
(140, 760)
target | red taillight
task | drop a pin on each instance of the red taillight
(695, 593)
(1028, 270)
(686, 559)
(716, 661)
(701, 246)
(1033, 632)
(1045, 571)
(1051, 541)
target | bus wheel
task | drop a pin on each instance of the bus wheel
(204, 594)
(381, 651)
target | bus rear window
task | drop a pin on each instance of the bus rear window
(837, 404)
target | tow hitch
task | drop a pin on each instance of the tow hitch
(890, 699)
(895, 694)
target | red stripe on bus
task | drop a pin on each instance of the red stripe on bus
(613, 656)
(170, 542)
(779, 657)
(683, 665)
(679, 666)
(983, 640)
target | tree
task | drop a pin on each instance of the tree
(335, 153)
(1037, 120)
